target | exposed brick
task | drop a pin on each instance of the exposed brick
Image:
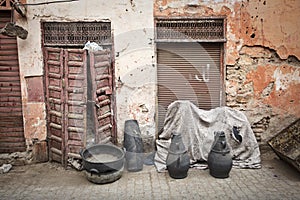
(256, 52)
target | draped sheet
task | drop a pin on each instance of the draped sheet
(197, 128)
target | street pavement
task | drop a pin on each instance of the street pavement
(275, 180)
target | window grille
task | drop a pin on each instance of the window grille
(76, 33)
(190, 29)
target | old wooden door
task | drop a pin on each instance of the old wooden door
(65, 73)
(102, 84)
(75, 81)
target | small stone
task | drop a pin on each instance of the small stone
(5, 168)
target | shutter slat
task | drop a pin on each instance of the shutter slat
(188, 71)
(11, 117)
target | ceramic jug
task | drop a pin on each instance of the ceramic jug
(178, 159)
(219, 158)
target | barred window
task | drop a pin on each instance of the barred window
(190, 29)
(76, 33)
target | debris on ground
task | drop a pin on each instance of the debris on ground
(75, 163)
(5, 168)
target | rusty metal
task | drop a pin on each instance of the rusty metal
(11, 115)
(286, 144)
(76, 33)
(190, 30)
(183, 75)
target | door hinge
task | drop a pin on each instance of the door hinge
(63, 83)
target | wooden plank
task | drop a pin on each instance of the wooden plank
(10, 79)
(12, 150)
(11, 134)
(10, 99)
(12, 144)
(4, 84)
(56, 151)
(12, 140)
(10, 94)
(10, 129)
(75, 73)
(55, 124)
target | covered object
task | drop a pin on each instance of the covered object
(197, 127)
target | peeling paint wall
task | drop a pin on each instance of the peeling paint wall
(261, 58)
(132, 30)
(267, 90)
(273, 24)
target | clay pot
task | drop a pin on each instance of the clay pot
(134, 146)
(219, 158)
(178, 159)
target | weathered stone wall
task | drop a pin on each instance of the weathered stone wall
(261, 56)
(261, 59)
(132, 30)
(266, 88)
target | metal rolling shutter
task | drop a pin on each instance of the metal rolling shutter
(188, 71)
(11, 117)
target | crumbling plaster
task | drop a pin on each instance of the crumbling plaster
(135, 72)
(261, 56)
(266, 88)
(270, 23)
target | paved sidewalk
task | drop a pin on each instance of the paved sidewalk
(275, 180)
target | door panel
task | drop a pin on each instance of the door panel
(76, 93)
(55, 96)
(101, 72)
(74, 80)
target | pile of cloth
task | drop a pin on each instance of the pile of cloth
(197, 127)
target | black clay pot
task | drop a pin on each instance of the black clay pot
(103, 158)
(219, 158)
(178, 159)
(134, 146)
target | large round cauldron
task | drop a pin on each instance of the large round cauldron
(103, 158)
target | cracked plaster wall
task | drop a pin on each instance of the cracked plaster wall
(132, 30)
(261, 56)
